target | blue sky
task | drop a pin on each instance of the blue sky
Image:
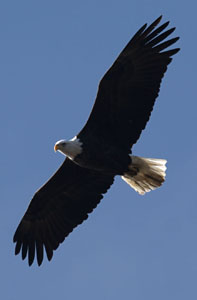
(53, 54)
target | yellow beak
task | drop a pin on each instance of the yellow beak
(56, 147)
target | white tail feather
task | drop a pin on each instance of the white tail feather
(145, 174)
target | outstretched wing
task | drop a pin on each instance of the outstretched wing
(128, 90)
(57, 208)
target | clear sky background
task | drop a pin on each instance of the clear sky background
(52, 56)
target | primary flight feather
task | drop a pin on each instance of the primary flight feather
(102, 149)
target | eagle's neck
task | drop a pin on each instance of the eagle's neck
(73, 147)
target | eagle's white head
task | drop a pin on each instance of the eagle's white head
(69, 148)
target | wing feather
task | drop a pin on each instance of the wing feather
(128, 90)
(57, 208)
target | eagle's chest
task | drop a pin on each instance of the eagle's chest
(102, 157)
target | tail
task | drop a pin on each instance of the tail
(145, 174)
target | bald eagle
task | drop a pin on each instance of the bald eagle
(102, 149)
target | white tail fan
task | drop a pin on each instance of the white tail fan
(145, 174)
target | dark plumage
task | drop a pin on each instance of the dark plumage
(124, 102)
(58, 207)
